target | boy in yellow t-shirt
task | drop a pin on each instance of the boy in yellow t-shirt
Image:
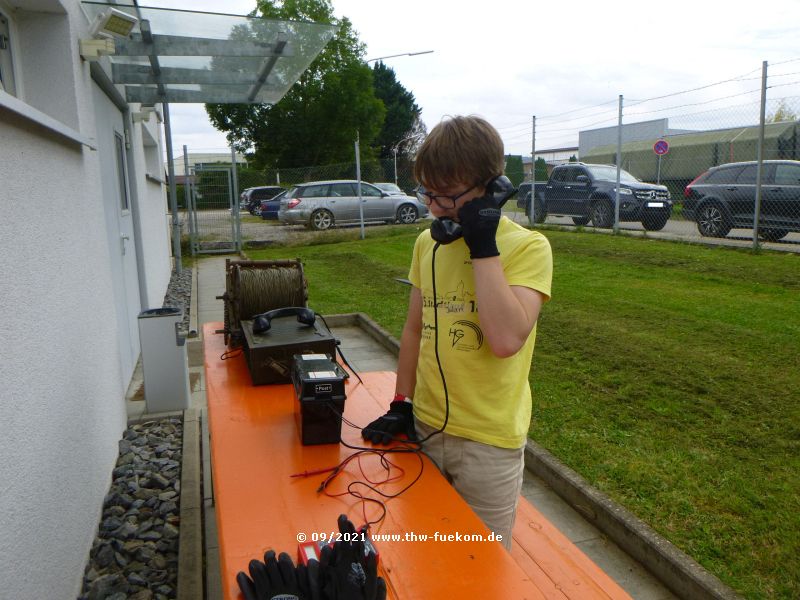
(479, 282)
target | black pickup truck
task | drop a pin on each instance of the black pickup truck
(588, 192)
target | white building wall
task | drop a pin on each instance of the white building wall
(62, 407)
(62, 399)
(153, 245)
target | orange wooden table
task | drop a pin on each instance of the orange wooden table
(255, 448)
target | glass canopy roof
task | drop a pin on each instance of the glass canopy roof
(183, 56)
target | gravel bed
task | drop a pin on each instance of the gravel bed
(135, 552)
(179, 293)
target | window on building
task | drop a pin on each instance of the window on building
(6, 64)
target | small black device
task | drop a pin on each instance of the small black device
(319, 398)
(447, 231)
(269, 353)
(263, 322)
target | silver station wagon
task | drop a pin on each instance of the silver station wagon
(323, 204)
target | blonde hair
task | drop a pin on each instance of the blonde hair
(459, 151)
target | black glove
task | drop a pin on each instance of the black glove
(278, 579)
(347, 573)
(399, 419)
(479, 219)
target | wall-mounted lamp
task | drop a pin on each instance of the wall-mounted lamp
(108, 25)
(113, 23)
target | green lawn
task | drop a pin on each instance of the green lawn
(667, 374)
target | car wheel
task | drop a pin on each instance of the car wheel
(321, 219)
(772, 235)
(601, 214)
(655, 222)
(407, 214)
(540, 212)
(580, 220)
(713, 221)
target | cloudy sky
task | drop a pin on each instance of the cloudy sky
(566, 63)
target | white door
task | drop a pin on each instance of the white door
(117, 203)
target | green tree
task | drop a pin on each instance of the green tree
(781, 113)
(402, 113)
(317, 120)
(514, 169)
(541, 170)
(573, 158)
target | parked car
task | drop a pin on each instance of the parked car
(587, 192)
(250, 199)
(724, 197)
(269, 208)
(321, 204)
(390, 188)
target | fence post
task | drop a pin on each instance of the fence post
(531, 216)
(358, 185)
(187, 198)
(619, 166)
(760, 168)
(237, 223)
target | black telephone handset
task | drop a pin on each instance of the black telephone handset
(263, 322)
(446, 231)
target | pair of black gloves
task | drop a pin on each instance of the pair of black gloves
(343, 572)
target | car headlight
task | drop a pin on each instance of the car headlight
(624, 191)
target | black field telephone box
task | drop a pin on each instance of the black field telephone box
(319, 398)
(269, 354)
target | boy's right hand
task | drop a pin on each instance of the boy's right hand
(479, 219)
(399, 419)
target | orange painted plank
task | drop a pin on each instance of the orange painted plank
(255, 448)
(547, 554)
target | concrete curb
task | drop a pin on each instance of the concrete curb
(190, 543)
(674, 568)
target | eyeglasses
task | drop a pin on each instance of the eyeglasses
(427, 197)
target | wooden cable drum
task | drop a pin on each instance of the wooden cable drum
(255, 287)
(261, 290)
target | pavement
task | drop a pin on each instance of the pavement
(365, 353)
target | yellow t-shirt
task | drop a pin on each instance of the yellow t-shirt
(490, 399)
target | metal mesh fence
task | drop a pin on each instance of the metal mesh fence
(377, 171)
(702, 146)
(217, 218)
(689, 159)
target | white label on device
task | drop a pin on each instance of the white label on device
(314, 356)
(321, 374)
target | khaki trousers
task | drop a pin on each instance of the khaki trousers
(488, 478)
